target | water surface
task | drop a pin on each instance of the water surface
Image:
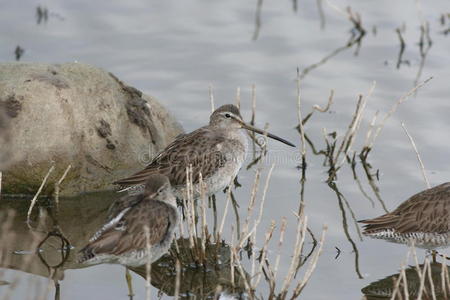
(175, 51)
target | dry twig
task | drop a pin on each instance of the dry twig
(148, 265)
(422, 167)
(211, 98)
(58, 186)
(177, 279)
(393, 109)
(300, 119)
(33, 201)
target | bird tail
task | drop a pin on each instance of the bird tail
(380, 223)
(85, 254)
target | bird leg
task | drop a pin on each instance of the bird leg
(129, 283)
(433, 255)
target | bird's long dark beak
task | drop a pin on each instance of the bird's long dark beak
(272, 136)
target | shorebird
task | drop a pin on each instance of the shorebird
(123, 239)
(422, 220)
(216, 151)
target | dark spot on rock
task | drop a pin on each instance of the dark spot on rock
(52, 70)
(110, 145)
(12, 106)
(136, 106)
(137, 109)
(104, 106)
(133, 90)
(52, 79)
(104, 129)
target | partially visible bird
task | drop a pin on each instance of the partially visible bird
(216, 151)
(423, 220)
(123, 239)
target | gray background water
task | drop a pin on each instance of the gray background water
(175, 50)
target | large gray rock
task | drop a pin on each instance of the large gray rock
(79, 115)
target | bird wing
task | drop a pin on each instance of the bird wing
(200, 148)
(128, 232)
(122, 203)
(426, 211)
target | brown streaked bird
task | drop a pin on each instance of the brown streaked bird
(216, 151)
(422, 219)
(123, 239)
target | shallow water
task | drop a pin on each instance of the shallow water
(176, 51)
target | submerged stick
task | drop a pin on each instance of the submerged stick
(402, 47)
(360, 186)
(423, 48)
(312, 265)
(321, 14)
(257, 20)
(339, 195)
(252, 121)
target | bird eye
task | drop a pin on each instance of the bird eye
(228, 116)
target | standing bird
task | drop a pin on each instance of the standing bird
(216, 151)
(423, 220)
(124, 238)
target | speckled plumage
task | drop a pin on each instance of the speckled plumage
(423, 219)
(123, 238)
(216, 151)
